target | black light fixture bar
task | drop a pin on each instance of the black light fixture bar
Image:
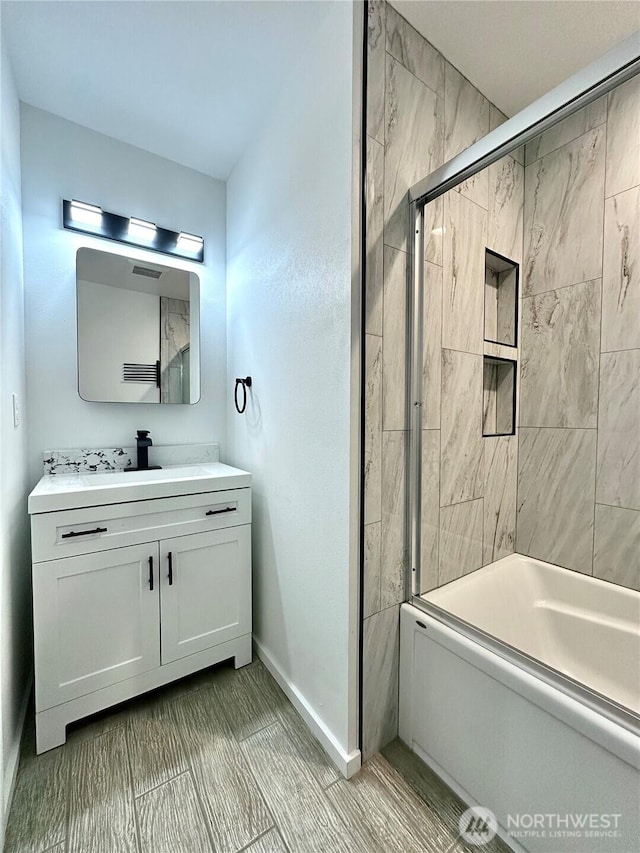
(111, 226)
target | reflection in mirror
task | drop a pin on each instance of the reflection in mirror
(138, 330)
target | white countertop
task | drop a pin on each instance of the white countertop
(71, 491)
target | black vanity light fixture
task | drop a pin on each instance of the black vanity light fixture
(91, 219)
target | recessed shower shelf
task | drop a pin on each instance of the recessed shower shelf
(499, 396)
(500, 299)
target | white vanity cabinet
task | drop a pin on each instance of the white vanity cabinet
(203, 600)
(128, 596)
(95, 622)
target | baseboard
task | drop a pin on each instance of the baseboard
(11, 767)
(348, 763)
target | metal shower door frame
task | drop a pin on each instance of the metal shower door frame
(597, 79)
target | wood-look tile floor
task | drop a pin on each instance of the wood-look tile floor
(218, 763)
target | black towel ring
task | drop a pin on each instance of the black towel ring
(244, 383)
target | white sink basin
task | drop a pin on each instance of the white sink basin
(129, 477)
(70, 491)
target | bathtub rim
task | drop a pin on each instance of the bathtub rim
(620, 739)
(620, 744)
(586, 696)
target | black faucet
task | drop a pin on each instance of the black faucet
(143, 444)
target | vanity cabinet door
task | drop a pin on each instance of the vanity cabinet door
(95, 621)
(206, 590)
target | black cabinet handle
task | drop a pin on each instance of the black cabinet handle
(218, 511)
(83, 532)
(151, 573)
(170, 568)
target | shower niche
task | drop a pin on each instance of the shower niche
(501, 276)
(498, 396)
(500, 299)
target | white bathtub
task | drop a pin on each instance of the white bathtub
(556, 760)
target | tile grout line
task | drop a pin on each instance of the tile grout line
(377, 613)
(250, 675)
(136, 821)
(619, 506)
(468, 198)
(325, 788)
(467, 500)
(622, 349)
(259, 789)
(262, 728)
(571, 428)
(204, 813)
(445, 218)
(420, 36)
(464, 352)
(262, 835)
(204, 809)
(621, 192)
(568, 141)
(283, 724)
(404, 252)
(159, 785)
(67, 838)
(412, 73)
(188, 693)
(599, 354)
(74, 742)
(385, 149)
(561, 287)
(347, 827)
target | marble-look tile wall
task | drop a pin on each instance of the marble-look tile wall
(579, 451)
(174, 337)
(469, 479)
(421, 112)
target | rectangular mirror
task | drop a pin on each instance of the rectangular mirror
(138, 330)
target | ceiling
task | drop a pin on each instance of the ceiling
(115, 270)
(192, 81)
(189, 81)
(515, 51)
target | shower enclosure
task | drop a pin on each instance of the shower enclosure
(525, 315)
(529, 288)
(524, 439)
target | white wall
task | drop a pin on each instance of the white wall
(288, 326)
(15, 607)
(63, 160)
(115, 327)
